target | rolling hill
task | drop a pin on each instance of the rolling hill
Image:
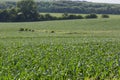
(70, 7)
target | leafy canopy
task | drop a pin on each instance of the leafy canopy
(28, 9)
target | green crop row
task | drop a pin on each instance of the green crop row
(51, 61)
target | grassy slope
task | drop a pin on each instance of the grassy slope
(90, 25)
(78, 49)
(60, 14)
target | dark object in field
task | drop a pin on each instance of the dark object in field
(90, 16)
(21, 29)
(105, 16)
(73, 33)
(26, 29)
(33, 30)
(30, 30)
(52, 31)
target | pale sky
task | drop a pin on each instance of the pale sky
(106, 1)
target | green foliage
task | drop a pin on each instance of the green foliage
(52, 31)
(78, 7)
(71, 7)
(65, 15)
(71, 16)
(21, 29)
(26, 29)
(105, 16)
(49, 17)
(14, 15)
(28, 9)
(91, 16)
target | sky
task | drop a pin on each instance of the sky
(105, 1)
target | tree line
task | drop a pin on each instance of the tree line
(27, 10)
(71, 7)
(78, 7)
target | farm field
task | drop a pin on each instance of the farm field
(53, 14)
(85, 49)
(60, 14)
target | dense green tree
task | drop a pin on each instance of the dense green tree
(65, 15)
(91, 16)
(27, 10)
(4, 15)
(48, 17)
(8, 15)
(80, 17)
(12, 14)
(105, 16)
